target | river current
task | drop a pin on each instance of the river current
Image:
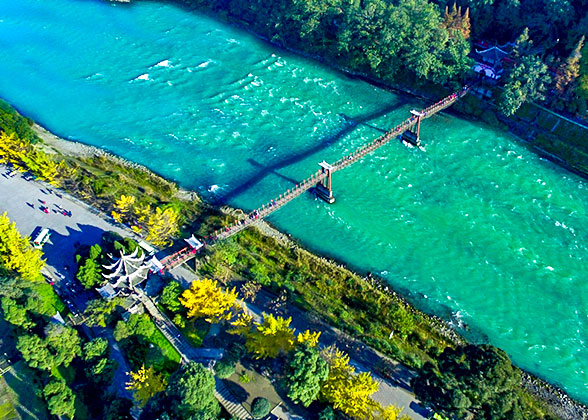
(477, 227)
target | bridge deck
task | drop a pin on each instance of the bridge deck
(318, 176)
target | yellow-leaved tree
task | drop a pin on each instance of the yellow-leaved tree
(205, 298)
(270, 337)
(390, 413)
(145, 383)
(16, 253)
(241, 325)
(24, 156)
(123, 208)
(347, 391)
(309, 337)
(163, 225)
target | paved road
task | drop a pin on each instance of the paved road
(393, 391)
(86, 226)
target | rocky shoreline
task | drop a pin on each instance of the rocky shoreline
(561, 404)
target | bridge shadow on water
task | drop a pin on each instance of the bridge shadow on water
(272, 169)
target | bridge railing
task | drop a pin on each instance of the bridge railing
(352, 157)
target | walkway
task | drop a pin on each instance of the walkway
(394, 390)
(314, 179)
(189, 353)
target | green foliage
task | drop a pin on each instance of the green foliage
(12, 122)
(94, 349)
(60, 399)
(16, 314)
(138, 324)
(224, 369)
(99, 311)
(90, 268)
(35, 352)
(327, 414)
(190, 390)
(99, 368)
(119, 409)
(170, 296)
(526, 82)
(390, 40)
(304, 373)
(64, 342)
(480, 379)
(260, 407)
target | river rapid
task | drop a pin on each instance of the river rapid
(476, 229)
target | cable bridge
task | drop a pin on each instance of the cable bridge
(408, 131)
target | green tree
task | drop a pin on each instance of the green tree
(99, 368)
(118, 409)
(170, 296)
(480, 379)
(64, 342)
(526, 82)
(191, 389)
(35, 352)
(94, 349)
(137, 324)
(260, 407)
(304, 373)
(98, 311)
(90, 269)
(16, 314)
(60, 399)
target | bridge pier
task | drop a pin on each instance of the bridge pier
(410, 136)
(324, 189)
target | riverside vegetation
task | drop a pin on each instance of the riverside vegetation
(361, 308)
(422, 46)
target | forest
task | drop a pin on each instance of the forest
(417, 42)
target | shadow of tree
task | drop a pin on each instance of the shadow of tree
(238, 391)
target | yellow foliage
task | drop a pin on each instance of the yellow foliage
(145, 383)
(242, 324)
(390, 413)
(205, 298)
(163, 225)
(24, 156)
(16, 253)
(123, 208)
(270, 337)
(347, 391)
(142, 212)
(309, 337)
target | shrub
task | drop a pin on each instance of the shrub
(224, 369)
(260, 407)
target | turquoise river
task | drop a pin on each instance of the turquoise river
(477, 227)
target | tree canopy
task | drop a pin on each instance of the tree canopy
(480, 379)
(304, 374)
(205, 298)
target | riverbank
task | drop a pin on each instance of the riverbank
(551, 136)
(563, 406)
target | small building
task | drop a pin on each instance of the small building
(490, 61)
(126, 273)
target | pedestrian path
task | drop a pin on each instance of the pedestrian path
(189, 353)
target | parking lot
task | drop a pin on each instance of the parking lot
(33, 205)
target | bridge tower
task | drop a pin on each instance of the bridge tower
(324, 189)
(412, 135)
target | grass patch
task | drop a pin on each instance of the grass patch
(167, 350)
